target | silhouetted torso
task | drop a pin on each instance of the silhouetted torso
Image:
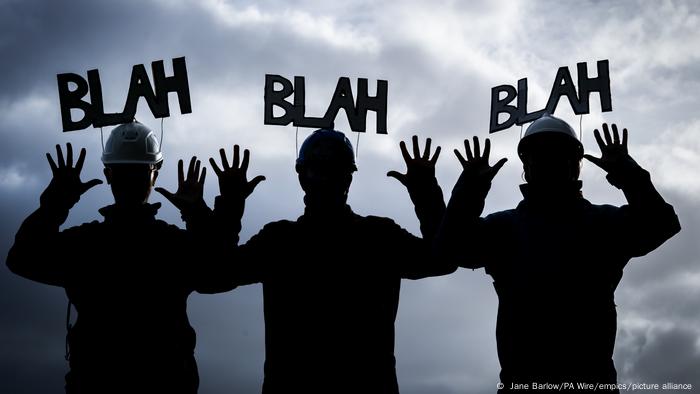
(129, 278)
(550, 278)
(331, 290)
(556, 280)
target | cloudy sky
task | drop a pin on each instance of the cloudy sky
(441, 59)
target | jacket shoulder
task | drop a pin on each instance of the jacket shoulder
(605, 211)
(279, 226)
(502, 217)
(87, 227)
(162, 225)
(379, 222)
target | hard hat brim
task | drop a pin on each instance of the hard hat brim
(562, 141)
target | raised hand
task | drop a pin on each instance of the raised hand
(614, 157)
(476, 168)
(65, 187)
(190, 190)
(420, 169)
(233, 180)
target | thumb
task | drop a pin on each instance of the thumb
(255, 181)
(499, 164)
(594, 160)
(90, 184)
(168, 196)
(398, 176)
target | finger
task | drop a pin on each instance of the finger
(180, 172)
(196, 170)
(59, 156)
(624, 138)
(90, 184)
(69, 155)
(435, 156)
(246, 160)
(215, 167)
(487, 150)
(606, 132)
(477, 148)
(168, 196)
(426, 152)
(616, 135)
(460, 158)
(52, 163)
(81, 160)
(236, 157)
(398, 176)
(497, 167)
(404, 152)
(224, 160)
(598, 139)
(190, 168)
(468, 150)
(203, 176)
(594, 160)
(416, 149)
(254, 182)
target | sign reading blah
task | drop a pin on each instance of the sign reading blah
(295, 112)
(156, 95)
(563, 86)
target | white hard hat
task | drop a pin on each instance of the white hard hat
(552, 126)
(132, 143)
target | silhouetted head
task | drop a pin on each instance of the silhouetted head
(325, 165)
(551, 153)
(132, 158)
(131, 183)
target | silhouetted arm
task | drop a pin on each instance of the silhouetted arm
(464, 236)
(422, 186)
(211, 242)
(40, 252)
(234, 190)
(220, 227)
(254, 261)
(225, 265)
(412, 256)
(647, 221)
(207, 244)
(416, 260)
(650, 220)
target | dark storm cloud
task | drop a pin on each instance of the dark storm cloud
(659, 355)
(658, 305)
(441, 61)
(46, 38)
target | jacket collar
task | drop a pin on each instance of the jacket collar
(537, 196)
(316, 216)
(143, 213)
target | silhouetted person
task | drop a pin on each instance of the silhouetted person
(331, 278)
(128, 276)
(555, 259)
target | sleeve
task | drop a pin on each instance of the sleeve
(411, 255)
(474, 245)
(41, 252)
(221, 264)
(464, 236)
(429, 205)
(647, 221)
(254, 261)
(414, 258)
